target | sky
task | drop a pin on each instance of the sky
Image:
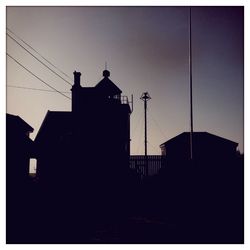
(146, 49)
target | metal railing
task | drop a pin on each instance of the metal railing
(155, 163)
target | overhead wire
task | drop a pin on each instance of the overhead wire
(37, 76)
(152, 146)
(139, 146)
(29, 88)
(151, 116)
(149, 132)
(38, 59)
(39, 54)
(134, 129)
(153, 124)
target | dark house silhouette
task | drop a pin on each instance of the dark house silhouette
(19, 148)
(90, 144)
(205, 193)
(206, 147)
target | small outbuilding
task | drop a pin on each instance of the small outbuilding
(205, 146)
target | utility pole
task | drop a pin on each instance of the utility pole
(145, 97)
(190, 86)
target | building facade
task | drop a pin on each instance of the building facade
(90, 142)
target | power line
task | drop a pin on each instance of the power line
(140, 137)
(153, 146)
(139, 119)
(28, 88)
(38, 59)
(39, 54)
(159, 128)
(37, 76)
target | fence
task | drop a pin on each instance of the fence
(155, 163)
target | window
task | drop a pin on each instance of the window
(32, 167)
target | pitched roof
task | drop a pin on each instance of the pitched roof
(55, 122)
(107, 86)
(198, 136)
(15, 121)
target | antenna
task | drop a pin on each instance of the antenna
(106, 65)
(145, 97)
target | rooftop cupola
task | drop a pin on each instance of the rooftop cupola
(106, 73)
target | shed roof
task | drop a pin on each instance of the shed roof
(198, 136)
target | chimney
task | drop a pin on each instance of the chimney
(77, 77)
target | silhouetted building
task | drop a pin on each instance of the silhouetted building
(83, 157)
(206, 146)
(92, 141)
(205, 194)
(19, 149)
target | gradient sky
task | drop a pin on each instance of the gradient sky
(146, 49)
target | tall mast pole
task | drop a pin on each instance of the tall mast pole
(190, 86)
(145, 97)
